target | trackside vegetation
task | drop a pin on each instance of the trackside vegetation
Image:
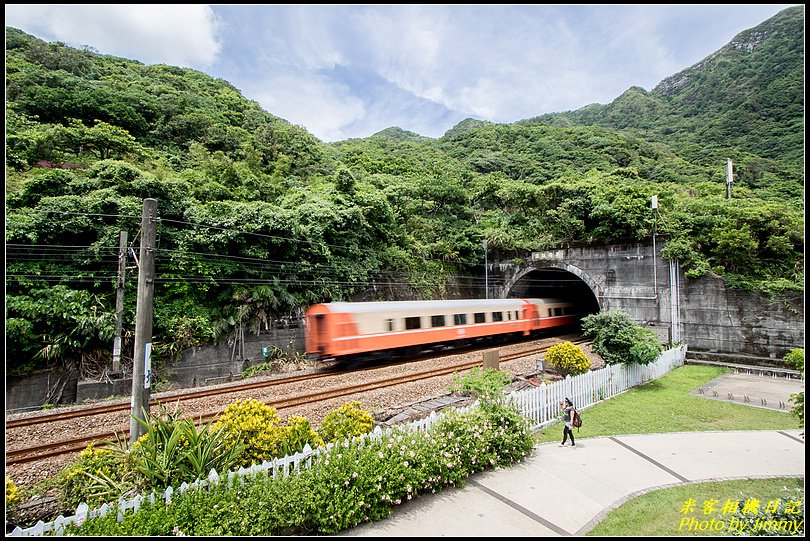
(355, 481)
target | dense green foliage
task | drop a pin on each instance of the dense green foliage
(480, 382)
(618, 339)
(259, 219)
(740, 102)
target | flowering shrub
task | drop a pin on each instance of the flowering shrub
(98, 476)
(568, 358)
(346, 421)
(357, 480)
(254, 425)
(12, 492)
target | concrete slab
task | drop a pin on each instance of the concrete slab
(468, 511)
(565, 484)
(761, 391)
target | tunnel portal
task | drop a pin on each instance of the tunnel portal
(556, 283)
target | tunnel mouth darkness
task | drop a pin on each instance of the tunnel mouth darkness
(556, 283)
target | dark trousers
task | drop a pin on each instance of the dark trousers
(566, 432)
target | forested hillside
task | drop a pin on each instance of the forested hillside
(259, 219)
(745, 102)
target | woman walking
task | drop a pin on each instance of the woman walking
(568, 415)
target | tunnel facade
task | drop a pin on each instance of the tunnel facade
(702, 313)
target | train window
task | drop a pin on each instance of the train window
(558, 311)
(460, 319)
(413, 323)
(437, 321)
(550, 312)
(509, 315)
(516, 315)
(389, 324)
(480, 317)
(497, 316)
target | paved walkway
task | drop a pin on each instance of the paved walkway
(567, 491)
(751, 390)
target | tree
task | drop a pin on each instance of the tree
(618, 339)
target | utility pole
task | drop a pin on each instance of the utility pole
(654, 202)
(486, 271)
(119, 302)
(729, 177)
(142, 358)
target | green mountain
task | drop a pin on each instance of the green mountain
(258, 218)
(746, 98)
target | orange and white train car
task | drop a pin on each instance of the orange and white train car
(340, 330)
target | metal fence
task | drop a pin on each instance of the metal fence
(540, 404)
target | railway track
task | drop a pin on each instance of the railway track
(48, 450)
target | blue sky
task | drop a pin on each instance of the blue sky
(344, 71)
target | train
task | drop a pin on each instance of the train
(352, 331)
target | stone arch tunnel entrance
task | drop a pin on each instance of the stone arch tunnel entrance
(557, 283)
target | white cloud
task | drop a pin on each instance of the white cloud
(180, 35)
(323, 106)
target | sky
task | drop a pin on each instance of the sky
(347, 71)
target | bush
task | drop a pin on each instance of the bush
(345, 422)
(795, 359)
(298, 433)
(354, 481)
(568, 358)
(618, 339)
(797, 399)
(480, 383)
(255, 426)
(98, 476)
(12, 493)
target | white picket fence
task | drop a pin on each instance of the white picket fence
(540, 404)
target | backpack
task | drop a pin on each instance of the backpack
(576, 420)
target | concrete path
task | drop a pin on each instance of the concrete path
(751, 390)
(567, 491)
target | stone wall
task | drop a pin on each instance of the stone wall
(722, 320)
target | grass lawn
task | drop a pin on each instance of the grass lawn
(659, 513)
(664, 405)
